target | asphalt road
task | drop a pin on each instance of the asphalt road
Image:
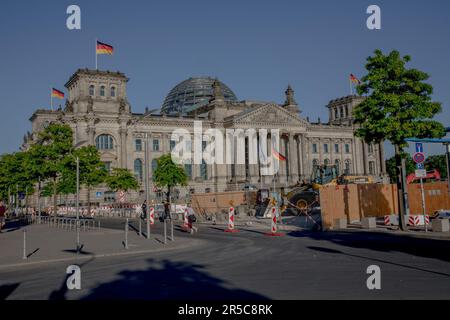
(250, 265)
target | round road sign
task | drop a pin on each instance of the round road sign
(419, 157)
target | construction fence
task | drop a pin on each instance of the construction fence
(355, 202)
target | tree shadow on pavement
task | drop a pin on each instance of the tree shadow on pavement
(383, 242)
(7, 289)
(332, 251)
(169, 280)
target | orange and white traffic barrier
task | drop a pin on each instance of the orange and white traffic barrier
(274, 225)
(231, 228)
(152, 216)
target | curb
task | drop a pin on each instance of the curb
(193, 242)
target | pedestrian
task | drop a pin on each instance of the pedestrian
(144, 210)
(167, 210)
(191, 219)
(2, 215)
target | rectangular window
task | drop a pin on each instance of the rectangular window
(314, 148)
(347, 148)
(371, 168)
(155, 145)
(325, 148)
(138, 145)
(336, 148)
(108, 166)
(172, 145)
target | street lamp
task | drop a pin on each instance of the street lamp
(147, 182)
(77, 159)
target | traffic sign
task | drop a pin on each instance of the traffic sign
(421, 173)
(420, 166)
(419, 147)
(419, 157)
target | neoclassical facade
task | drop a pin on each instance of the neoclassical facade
(98, 111)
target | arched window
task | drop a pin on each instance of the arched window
(92, 90)
(113, 92)
(138, 169)
(154, 166)
(104, 142)
(102, 91)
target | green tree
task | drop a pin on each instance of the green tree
(92, 169)
(49, 154)
(15, 175)
(168, 174)
(437, 162)
(391, 167)
(398, 107)
(121, 180)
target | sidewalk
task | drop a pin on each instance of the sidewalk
(45, 244)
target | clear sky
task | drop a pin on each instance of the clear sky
(256, 47)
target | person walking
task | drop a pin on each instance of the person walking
(2, 215)
(191, 219)
(144, 210)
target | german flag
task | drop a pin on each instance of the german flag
(278, 155)
(354, 79)
(57, 94)
(103, 48)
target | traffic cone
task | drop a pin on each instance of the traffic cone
(231, 228)
(274, 226)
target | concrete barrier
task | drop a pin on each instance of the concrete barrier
(340, 224)
(441, 225)
(369, 223)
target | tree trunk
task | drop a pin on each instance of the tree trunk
(401, 187)
(168, 194)
(55, 199)
(89, 199)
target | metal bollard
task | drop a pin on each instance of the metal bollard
(140, 227)
(126, 234)
(165, 232)
(171, 230)
(99, 225)
(25, 245)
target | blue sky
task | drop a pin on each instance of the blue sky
(256, 47)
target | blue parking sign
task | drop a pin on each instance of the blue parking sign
(419, 147)
(420, 166)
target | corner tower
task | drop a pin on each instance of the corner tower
(94, 91)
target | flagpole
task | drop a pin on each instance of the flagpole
(96, 55)
(351, 87)
(51, 98)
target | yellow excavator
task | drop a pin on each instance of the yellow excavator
(306, 195)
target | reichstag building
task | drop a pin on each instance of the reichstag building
(98, 111)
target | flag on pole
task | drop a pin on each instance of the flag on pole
(103, 48)
(354, 79)
(276, 154)
(57, 94)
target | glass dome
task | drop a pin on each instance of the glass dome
(193, 93)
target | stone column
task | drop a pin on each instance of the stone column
(123, 148)
(293, 159)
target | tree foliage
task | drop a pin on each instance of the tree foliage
(168, 174)
(399, 104)
(122, 179)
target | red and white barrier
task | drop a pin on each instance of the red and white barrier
(231, 228)
(418, 220)
(274, 225)
(152, 216)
